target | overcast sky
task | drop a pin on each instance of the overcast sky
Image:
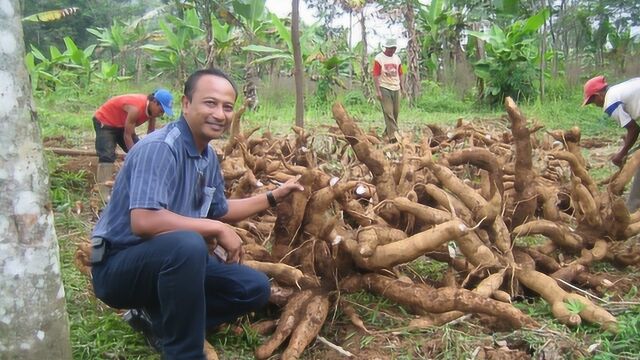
(282, 8)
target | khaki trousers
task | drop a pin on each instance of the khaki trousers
(390, 101)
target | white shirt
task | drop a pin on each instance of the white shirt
(390, 71)
(622, 101)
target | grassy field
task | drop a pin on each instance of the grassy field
(98, 333)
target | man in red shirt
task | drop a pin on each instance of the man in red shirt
(387, 74)
(115, 122)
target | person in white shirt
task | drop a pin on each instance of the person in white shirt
(387, 77)
(622, 103)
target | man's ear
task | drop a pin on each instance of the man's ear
(185, 101)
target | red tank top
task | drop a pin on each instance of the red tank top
(112, 112)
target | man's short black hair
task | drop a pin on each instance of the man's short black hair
(189, 85)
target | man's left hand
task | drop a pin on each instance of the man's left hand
(287, 188)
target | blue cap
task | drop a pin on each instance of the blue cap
(164, 97)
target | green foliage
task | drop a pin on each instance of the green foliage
(354, 97)
(428, 269)
(66, 187)
(71, 68)
(509, 68)
(436, 99)
(179, 53)
(574, 306)
(330, 75)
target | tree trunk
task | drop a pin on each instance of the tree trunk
(413, 56)
(363, 58)
(543, 50)
(34, 322)
(297, 58)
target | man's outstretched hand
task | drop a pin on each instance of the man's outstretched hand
(287, 188)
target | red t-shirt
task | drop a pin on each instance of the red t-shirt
(112, 112)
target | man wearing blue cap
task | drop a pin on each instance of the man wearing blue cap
(115, 123)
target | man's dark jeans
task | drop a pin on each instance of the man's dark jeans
(183, 289)
(106, 139)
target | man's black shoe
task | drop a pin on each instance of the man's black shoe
(140, 321)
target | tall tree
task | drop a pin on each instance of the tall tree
(32, 306)
(297, 62)
(413, 53)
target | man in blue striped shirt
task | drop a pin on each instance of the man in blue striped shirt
(167, 204)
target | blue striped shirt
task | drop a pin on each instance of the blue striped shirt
(163, 171)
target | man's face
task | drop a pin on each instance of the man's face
(211, 108)
(598, 99)
(155, 109)
(390, 51)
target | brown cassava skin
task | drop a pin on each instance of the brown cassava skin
(282, 273)
(568, 273)
(559, 235)
(234, 130)
(554, 294)
(446, 200)
(288, 321)
(308, 327)
(209, 352)
(548, 196)
(578, 170)
(486, 288)
(547, 287)
(622, 178)
(406, 250)
(483, 159)
(232, 168)
(616, 217)
(524, 184)
(419, 297)
(425, 214)
(280, 295)
(470, 244)
(571, 140)
(264, 327)
(290, 215)
(595, 314)
(245, 186)
(320, 202)
(353, 316)
(370, 237)
(474, 201)
(374, 160)
(585, 203)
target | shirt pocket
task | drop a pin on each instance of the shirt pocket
(207, 192)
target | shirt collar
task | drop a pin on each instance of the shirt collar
(187, 136)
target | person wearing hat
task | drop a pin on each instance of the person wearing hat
(622, 103)
(387, 77)
(115, 122)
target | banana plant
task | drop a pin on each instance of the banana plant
(72, 66)
(509, 68)
(80, 59)
(109, 73)
(309, 41)
(181, 49)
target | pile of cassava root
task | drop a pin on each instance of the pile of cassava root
(370, 206)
